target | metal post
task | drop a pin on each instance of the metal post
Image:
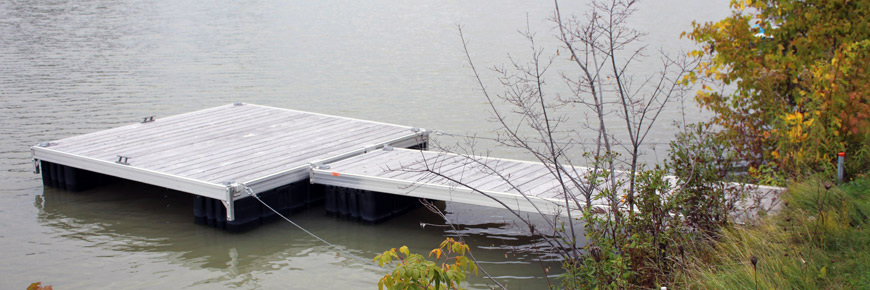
(840, 159)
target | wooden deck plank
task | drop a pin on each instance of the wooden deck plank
(526, 185)
(486, 180)
(217, 131)
(161, 139)
(158, 143)
(460, 168)
(512, 175)
(312, 153)
(450, 165)
(271, 151)
(530, 174)
(205, 153)
(99, 136)
(376, 164)
(417, 164)
(135, 133)
(542, 184)
(316, 154)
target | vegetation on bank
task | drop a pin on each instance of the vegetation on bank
(788, 83)
(818, 241)
(802, 94)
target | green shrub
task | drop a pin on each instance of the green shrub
(413, 271)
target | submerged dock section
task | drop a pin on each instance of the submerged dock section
(218, 153)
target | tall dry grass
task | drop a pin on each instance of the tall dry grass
(819, 240)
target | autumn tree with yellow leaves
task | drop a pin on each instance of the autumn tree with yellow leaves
(788, 83)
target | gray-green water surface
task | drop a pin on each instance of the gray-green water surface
(73, 67)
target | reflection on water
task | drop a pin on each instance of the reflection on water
(128, 217)
(73, 67)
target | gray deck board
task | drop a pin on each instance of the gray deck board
(221, 151)
(294, 158)
(219, 147)
(490, 180)
(457, 167)
(514, 176)
(378, 163)
(96, 137)
(218, 132)
(139, 151)
(166, 129)
(147, 142)
(525, 177)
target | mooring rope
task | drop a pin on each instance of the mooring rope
(361, 259)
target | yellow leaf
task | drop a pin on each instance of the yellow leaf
(437, 253)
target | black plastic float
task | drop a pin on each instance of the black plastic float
(366, 206)
(71, 178)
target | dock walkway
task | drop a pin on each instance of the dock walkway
(222, 155)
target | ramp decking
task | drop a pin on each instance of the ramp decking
(407, 172)
(498, 181)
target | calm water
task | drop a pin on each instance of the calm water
(72, 67)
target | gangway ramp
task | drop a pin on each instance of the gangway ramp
(475, 180)
(488, 181)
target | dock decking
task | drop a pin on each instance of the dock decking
(212, 152)
(222, 155)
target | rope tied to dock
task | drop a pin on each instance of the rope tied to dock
(361, 259)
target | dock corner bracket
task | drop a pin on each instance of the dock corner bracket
(234, 189)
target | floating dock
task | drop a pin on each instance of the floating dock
(225, 154)
(216, 153)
